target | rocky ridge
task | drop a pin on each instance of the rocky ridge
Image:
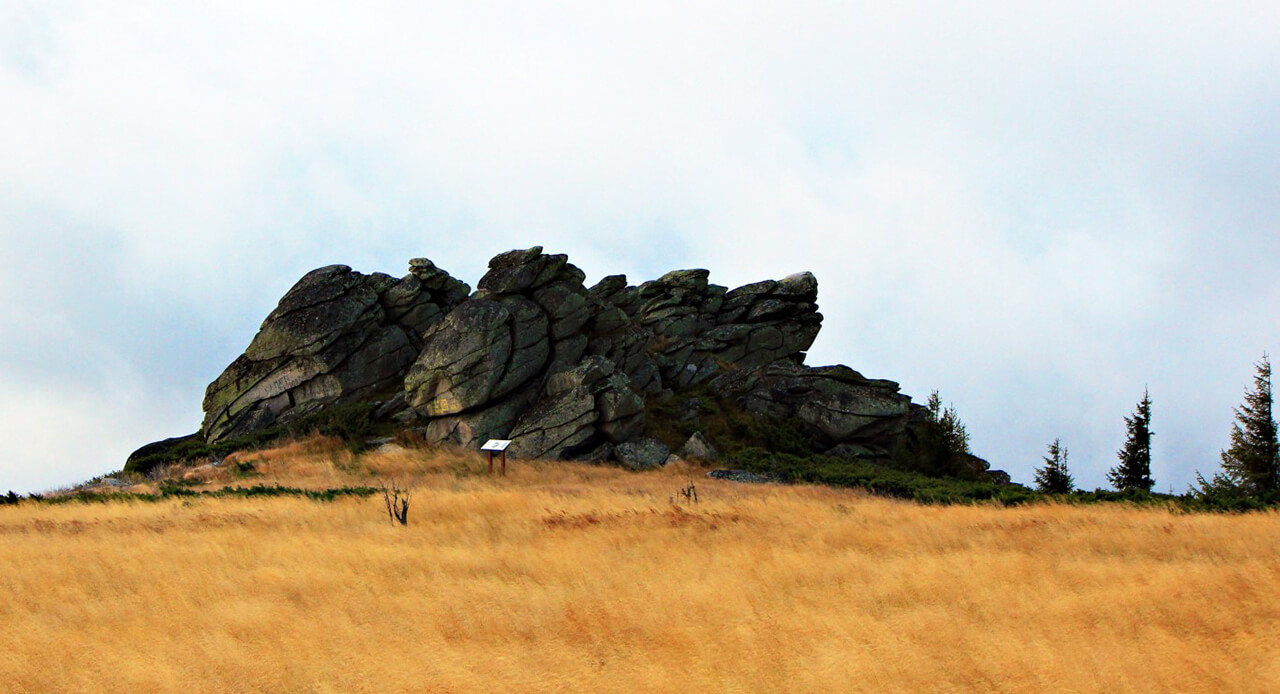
(535, 356)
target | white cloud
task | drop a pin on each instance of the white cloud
(1037, 210)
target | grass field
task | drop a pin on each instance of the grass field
(564, 577)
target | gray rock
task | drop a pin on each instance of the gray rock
(535, 356)
(566, 309)
(642, 453)
(600, 454)
(699, 448)
(751, 290)
(567, 352)
(513, 271)
(530, 345)
(621, 411)
(742, 476)
(802, 285)
(692, 280)
(493, 421)
(836, 403)
(336, 336)
(586, 373)
(672, 459)
(556, 427)
(463, 359)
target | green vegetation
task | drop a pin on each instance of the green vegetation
(731, 428)
(939, 469)
(1054, 477)
(879, 479)
(1250, 474)
(1253, 460)
(941, 446)
(1133, 472)
(170, 490)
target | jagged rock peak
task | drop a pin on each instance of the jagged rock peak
(535, 356)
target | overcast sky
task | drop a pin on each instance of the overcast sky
(1038, 209)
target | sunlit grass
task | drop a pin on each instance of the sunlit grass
(564, 577)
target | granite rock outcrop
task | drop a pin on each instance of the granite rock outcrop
(535, 356)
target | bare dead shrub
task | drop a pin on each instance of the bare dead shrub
(396, 496)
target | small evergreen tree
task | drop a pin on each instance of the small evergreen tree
(1134, 469)
(941, 446)
(1252, 463)
(955, 438)
(1054, 477)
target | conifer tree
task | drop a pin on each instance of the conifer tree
(955, 438)
(942, 445)
(1134, 469)
(1252, 463)
(1054, 477)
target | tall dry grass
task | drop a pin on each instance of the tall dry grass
(566, 577)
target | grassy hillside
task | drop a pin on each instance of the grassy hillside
(564, 577)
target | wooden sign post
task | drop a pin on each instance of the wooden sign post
(497, 446)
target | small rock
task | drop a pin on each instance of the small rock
(741, 476)
(642, 454)
(699, 448)
(600, 454)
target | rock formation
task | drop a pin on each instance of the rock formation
(337, 336)
(535, 356)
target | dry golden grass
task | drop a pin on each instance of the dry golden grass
(566, 577)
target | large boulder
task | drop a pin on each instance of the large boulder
(463, 359)
(642, 453)
(850, 414)
(581, 407)
(556, 427)
(336, 336)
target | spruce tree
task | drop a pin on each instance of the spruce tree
(955, 438)
(941, 447)
(1054, 477)
(1252, 463)
(1134, 469)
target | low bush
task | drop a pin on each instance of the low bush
(879, 479)
(170, 490)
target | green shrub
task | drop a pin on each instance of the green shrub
(878, 479)
(729, 427)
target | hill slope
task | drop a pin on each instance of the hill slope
(570, 577)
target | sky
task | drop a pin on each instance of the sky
(1039, 210)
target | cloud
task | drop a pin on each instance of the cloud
(1037, 210)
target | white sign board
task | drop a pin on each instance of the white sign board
(495, 445)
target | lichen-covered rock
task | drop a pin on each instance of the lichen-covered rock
(642, 453)
(621, 410)
(336, 336)
(838, 405)
(495, 420)
(535, 356)
(699, 448)
(585, 374)
(556, 427)
(463, 359)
